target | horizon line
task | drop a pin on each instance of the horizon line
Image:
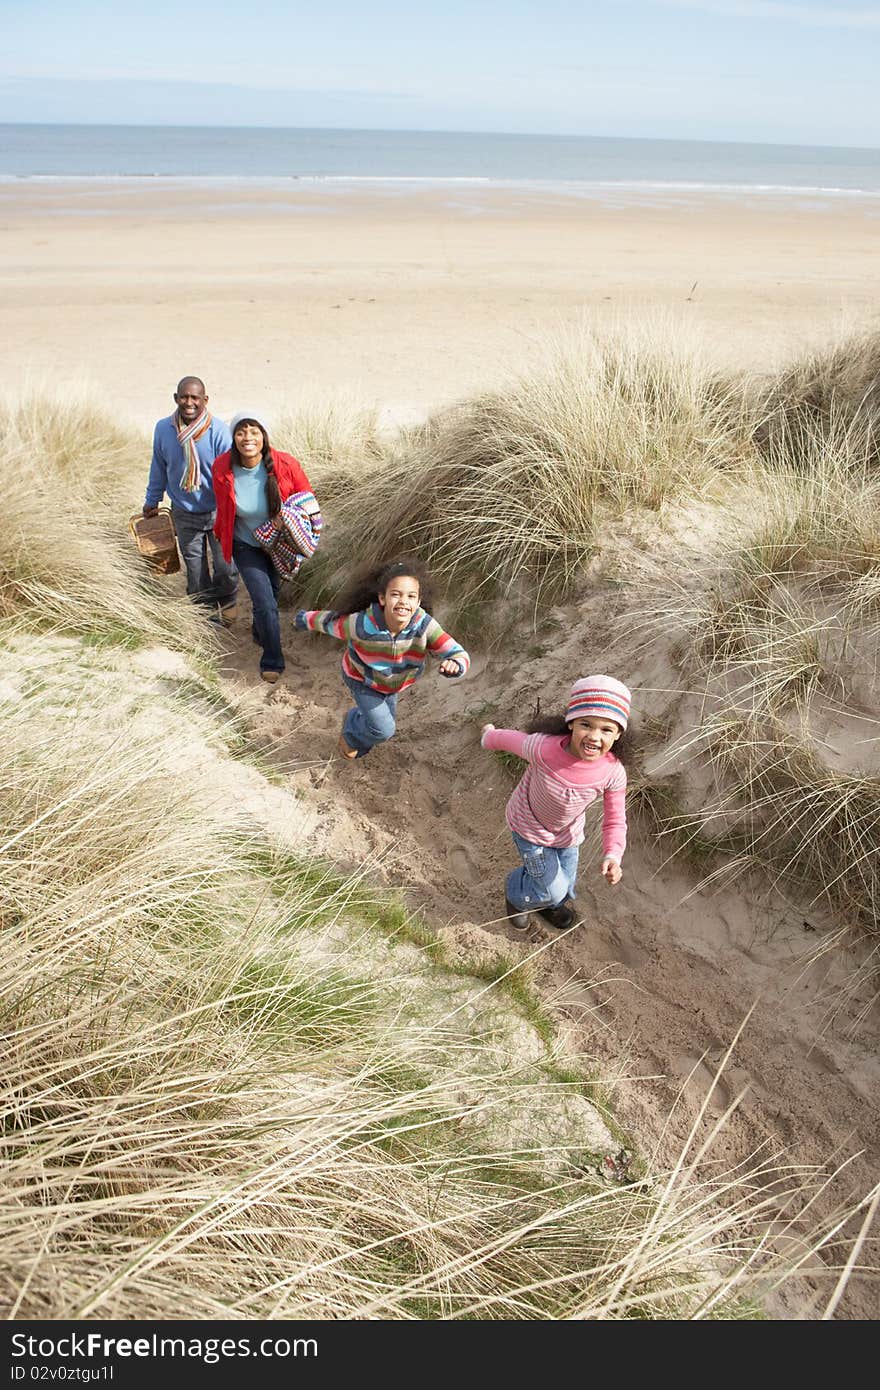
(433, 130)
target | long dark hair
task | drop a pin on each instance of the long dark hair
(364, 588)
(623, 749)
(273, 491)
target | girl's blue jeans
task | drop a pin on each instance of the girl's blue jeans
(547, 877)
(373, 719)
(262, 581)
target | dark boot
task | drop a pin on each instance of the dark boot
(517, 919)
(561, 917)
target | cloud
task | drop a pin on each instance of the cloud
(812, 16)
(344, 81)
(114, 82)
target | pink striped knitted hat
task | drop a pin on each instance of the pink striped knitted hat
(599, 697)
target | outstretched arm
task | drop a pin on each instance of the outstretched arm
(341, 625)
(508, 741)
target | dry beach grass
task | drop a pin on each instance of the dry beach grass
(204, 1111)
(516, 484)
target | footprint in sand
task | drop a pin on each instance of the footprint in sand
(616, 945)
(700, 1076)
(463, 866)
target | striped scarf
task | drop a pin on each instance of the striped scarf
(186, 437)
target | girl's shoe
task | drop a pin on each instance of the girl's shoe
(517, 919)
(561, 917)
(345, 749)
(270, 676)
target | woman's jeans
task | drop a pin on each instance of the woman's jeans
(262, 581)
(373, 719)
(547, 877)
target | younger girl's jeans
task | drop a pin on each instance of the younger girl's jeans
(547, 877)
(373, 719)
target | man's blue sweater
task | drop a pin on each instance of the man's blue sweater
(168, 466)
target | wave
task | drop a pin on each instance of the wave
(556, 185)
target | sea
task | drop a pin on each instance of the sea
(570, 162)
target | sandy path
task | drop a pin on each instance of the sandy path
(658, 982)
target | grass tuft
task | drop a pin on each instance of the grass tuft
(516, 484)
(822, 393)
(67, 564)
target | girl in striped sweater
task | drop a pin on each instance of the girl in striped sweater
(570, 764)
(388, 635)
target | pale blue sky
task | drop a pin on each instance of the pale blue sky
(682, 69)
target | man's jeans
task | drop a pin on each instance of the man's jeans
(547, 877)
(195, 536)
(262, 581)
(373, 719)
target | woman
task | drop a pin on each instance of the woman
(250, 483)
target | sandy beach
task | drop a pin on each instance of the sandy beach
(406, 295)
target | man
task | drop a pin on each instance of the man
(185, 445)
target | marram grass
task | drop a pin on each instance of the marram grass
(777, 642)
(517, 483)
(67, 563)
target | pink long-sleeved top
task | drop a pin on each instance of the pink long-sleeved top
(549, 803)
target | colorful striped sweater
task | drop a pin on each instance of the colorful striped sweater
(548, 805)
(384, 661)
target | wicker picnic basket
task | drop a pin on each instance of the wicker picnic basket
(155, 539)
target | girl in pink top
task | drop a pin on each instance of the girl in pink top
(570, 764)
